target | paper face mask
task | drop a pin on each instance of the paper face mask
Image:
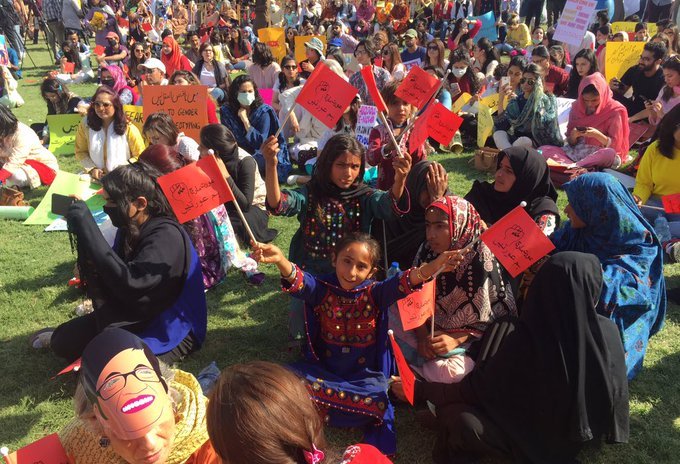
(130, 395)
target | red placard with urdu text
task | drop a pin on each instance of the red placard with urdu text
(417, 307)
(442, 123)
(195, 189)
(47, 450)
(517, 241)
(417, 87)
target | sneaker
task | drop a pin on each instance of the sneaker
(41, 339)
(292, 179)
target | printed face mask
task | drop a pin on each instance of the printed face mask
(459, 72)
(131, 399)
(246, 98)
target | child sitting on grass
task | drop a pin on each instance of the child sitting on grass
(348, 363)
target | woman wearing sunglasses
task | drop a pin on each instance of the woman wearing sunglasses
(392, 61)
(530, 118)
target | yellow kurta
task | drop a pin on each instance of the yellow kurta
(657, 174)
(134, 139)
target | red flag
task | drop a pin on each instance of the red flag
(442, 123)
(146, 27)
(417, 307)
(222, 23)
(671, 203)
(369, 79)
(122, 22)
(326, 95)
(517, 241)
(205, 38)
(47, 450)
(99, 50)
(69, 68)
(417, 87)
(195, 189)
(419, 131)
(73, 367)
(408, 379)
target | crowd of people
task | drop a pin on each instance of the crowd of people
(555, 345)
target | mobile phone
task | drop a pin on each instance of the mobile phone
(581, 128)
(455, 89)
(505, 80)
(60, 204)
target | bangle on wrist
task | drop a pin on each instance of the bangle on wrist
(292, 273)
(419, 274)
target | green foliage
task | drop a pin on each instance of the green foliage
(246, 323)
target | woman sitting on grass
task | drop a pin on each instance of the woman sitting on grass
(149, 282)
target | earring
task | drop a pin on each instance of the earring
(104, 442)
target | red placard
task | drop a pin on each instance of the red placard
(69, 68)
(417, 307)
(47, 450)
(123, 22)
(419, 132)
(325, 95)
(369, 79)
(442, 123)
(186, 105)
(99, 50)
(517, 241)
(147, 27)
(671, 203)
(549, 87)
(408, 379)
(195, 189)
(417, 87)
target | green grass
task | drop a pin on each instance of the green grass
(246, 323)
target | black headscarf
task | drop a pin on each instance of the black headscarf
(559, 379)
(532, 185)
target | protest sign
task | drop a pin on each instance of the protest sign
(408, 379)
(65, 184)
(69, 68)
(417, 307)
(411, 63)
(671, 203)
(442, 124)
(267, 95)
(619, 56)
(366, 120)
(4, 56)
(275, 37)
(186, 105)
(461, 102)
(195, 189)
(326, 95)
(417, 87)
(135, 115)
(574, 21)
(63, 129)
(419, 132)
(484, 125)
(47, 450)
(488, 29)
(147, 27)
(300, 45)
(372, 87)
(491, 102)
(563, 111)
(517, 241)
(98, 50)
(629, 26)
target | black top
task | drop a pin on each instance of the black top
(241, 180)
(643, 88)
(559, 378)
(73, 103)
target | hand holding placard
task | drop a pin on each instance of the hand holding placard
(417, 307)
(408, 379)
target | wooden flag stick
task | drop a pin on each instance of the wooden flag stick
(245, 223)
(283, 124)
(391, 134)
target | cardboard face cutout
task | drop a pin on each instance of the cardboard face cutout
(131, 398)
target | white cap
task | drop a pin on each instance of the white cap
(153, 63)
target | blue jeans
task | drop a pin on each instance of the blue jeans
(651, 211)
(504, 47)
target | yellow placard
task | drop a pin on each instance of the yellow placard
(484, 125)
(628, 26)
(275, 37)
(63, 129)
(135, 116)
(619, 56)
(461, 102)
(491, 102)
(300, 45)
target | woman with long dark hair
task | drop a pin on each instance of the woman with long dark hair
(585, 64)
(264, 71)
(252, 122)
(105, 139)
(211, 72)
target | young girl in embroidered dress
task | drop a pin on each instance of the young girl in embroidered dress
(347, 361)
(334, 203)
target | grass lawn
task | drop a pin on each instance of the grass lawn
(246, 323)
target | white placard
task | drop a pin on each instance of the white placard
(574, 21)
(365, 122)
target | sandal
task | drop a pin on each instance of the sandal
(40, 340)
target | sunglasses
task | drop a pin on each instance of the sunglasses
(526, 80)
(105, 105)
(434, 47)
(291, 67)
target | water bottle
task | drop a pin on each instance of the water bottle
(663, 231)
(207, 377)
(393, 270)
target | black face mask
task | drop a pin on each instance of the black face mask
(112, 42)
(108, 82)
(118, 219)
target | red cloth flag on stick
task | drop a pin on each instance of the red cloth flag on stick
(442, 123)
(517, 241)
(326, 95)
(417, 87)
(369, 79)
(408, 379)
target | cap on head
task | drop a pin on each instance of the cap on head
(153, 63)
(411, 33)
(315, 44)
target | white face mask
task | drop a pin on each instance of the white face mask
(246, 98)
(602, 41)
(459, 72)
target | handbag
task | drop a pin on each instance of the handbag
(486, 159)
(560, 175)
(12, 197)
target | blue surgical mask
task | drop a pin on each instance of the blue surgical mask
(246, 98)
